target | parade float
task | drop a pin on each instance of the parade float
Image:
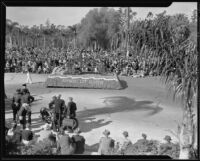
(73, 77)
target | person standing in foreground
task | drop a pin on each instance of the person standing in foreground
(126, 142)
(106, 144)
(59, 104)
(26, 108)
(71, 108)
(16, 103)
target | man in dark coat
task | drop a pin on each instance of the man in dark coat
(26, 108)
(59, 105)
(16, 103)
(27, 91)
(71, 108)
(79, 142)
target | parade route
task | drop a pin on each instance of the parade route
(143, 107)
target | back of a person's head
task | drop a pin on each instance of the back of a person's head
(28, 126)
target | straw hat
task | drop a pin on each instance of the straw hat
(18, 90)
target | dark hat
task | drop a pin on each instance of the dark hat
(144, 135)
(167, 138)
(106, 132)
(125, 133)
(24, 84)
(25, 91)
(18, 90)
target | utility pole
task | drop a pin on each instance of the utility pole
(127, 32)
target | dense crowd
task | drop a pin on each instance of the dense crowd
(61, 143)
(78, 61)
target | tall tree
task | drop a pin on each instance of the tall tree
(10, 28)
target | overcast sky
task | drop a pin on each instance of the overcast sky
(71, 15)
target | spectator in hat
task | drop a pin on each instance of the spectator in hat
(167, 146)
(16, 103)
(126, 142)
(79, 142)
(106, 144)
(143, 140)
(64, 144)
(17, 136)
(27, 134)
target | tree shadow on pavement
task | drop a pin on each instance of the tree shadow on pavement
(114, 105)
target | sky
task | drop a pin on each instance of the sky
(29, 16)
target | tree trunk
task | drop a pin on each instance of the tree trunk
(10, 40)
(186, 134)
(44, 42)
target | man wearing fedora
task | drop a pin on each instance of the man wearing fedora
(126, 142)
(167, 146)
(106, 144)
(16, 103)
(79, 141)
(59, 105)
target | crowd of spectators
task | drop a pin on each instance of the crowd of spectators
(61, 143)
(78, 61)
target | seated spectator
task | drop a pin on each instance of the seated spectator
(27, 134)
(17, 136)
(79, 141)
(166, 147)
(64, 144)
(126, 142)
(39, 70)
(144, 140)
(106, 144)
(11, 131)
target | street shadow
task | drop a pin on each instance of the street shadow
(87, 124)
(114, 105)
(121, 104)
(118, 104)
(123, 84)
(36, 123)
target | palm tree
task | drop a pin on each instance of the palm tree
(74, 30)
(10, 27)
(178, 56)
